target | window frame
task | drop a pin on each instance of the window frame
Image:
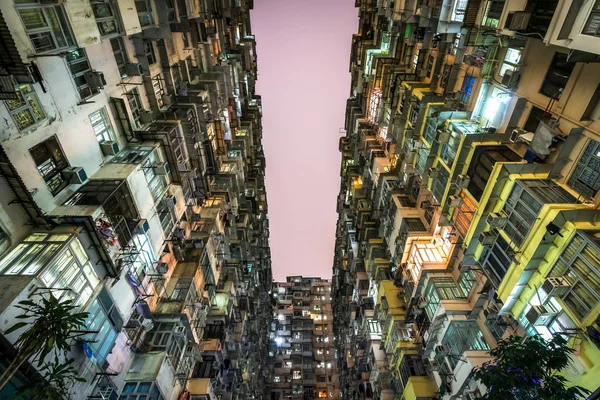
(594, 12)
(115, 18)
(27, 98)
(135, 106)
(117, 42)
(146, 17)
(590, 153)
(59, 16)
(554, 69)
(84, 90)
(150, 53)
(107, 133)
(59, 164)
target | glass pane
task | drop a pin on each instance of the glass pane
(33, 18)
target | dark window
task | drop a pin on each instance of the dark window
(557, 76)
(133, 98)
(535, 116)
(107, 17)
(586, 174)
(144, 11)
(50, 161)
(120, 54)
(591, 107)
(79, 65)
(150, 54)
(592, 27)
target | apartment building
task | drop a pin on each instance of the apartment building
(132, 181)
(468, 205)
(302, 360)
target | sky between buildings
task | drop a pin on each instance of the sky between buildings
(303, 49)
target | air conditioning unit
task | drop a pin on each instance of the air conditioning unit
(167, 100)
(426, 204)
(146, 117)
(134, 69)
(161, 168)
(143, 226)
(538, 315)
(417, 144)
(454, 201)
(488, 238)
(409, 133)
(497, 219)
(442, 349)
(462, 181)
(433, 172)
(109, 148)
(74, 175)
(444, 137)
(556, 286)
(432, 365)
(510, 80)
(95, 79)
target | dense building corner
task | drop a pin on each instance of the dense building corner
(302, 361)
(133, 182)
(468, 206)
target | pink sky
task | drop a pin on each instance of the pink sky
(303, 49)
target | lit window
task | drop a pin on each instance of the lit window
(46, 26)
(328, 365)
(297, 375)
(25, 110)
(50, 162)
(511, 60)
(101, 125)
(276, 379)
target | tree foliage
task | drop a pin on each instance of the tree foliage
(526, 368)
(51, 327)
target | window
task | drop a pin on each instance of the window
(586, 174)
(591, 107)
(50, 161)
(3, 236)
(182, 288)
(79, 65)
(592, 26)
(496, 260)
(511, 60)
(141, 391)
(101, 125)
(447, 288)
(467, 87)
(133, 98)
(159, 90)
(46, 26)
(297, 375)
(149, 52)
(557, 76)
(458, 14)
(467, 281)
(579, 263)
(144, 11)
(120, 54)
(106, 17)
(104, 319)
(26, 110)
(277, 379)
(462, 336)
